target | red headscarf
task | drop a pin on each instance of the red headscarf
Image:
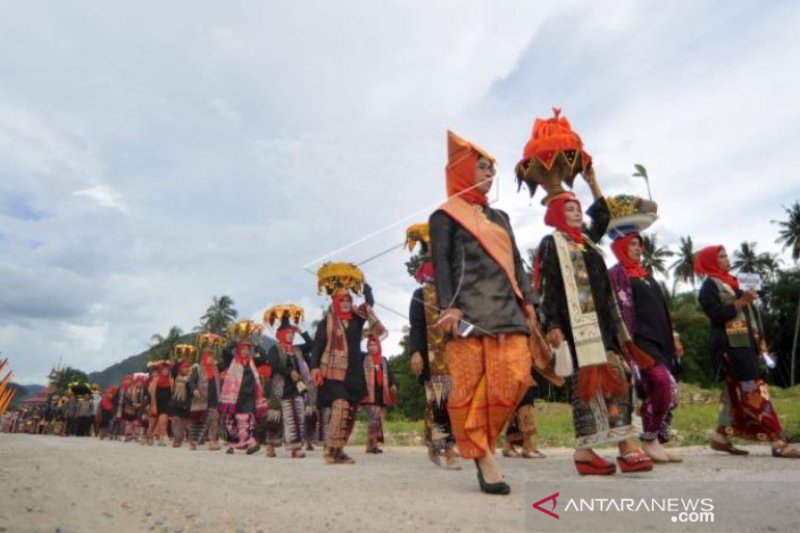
(283, 337)
(127, 381)
(338, 296)
(557, 218)
(424, 273)
(107, 402)
(164, 380)
(211, 368)
(706, 263)
(244, 360)
(377, 360)
(620, 249)
(462, 159)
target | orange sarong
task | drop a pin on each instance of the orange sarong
(490, 376)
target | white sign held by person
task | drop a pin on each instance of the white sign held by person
(749, 281)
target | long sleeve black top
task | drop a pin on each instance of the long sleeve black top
(467, 278)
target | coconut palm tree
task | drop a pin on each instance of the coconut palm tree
(161, 347)
(789, 237)
(654, 257)
(219, 315)
(683, 268)
(745, 259)
(790, 230)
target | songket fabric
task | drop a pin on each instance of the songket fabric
(490, 377)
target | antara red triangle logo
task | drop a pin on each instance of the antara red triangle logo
(552, 498)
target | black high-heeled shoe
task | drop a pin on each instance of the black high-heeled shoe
(500, 487)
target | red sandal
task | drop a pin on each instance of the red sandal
(598, 466)
(637, 461)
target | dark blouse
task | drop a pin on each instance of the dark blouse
(285, 370)
(653, 326)
(354, 387)
(467, 278)
(555, 313)
(418, 334)
(743, 362)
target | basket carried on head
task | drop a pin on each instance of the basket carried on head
(630, 214)
(284, 314)
(553, 155)
(335, 276)
(246, 331)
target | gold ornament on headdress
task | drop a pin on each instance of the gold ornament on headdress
(210, 341)
(184, 352)
(291, 312)
(334, 276)
(245, 330)
(418, 234)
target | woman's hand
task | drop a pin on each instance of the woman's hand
(555, 337)
(448, 321)
(416, 364)
(676, 339)
(746, 299)
(530, 314)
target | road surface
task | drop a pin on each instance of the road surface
(82, 484)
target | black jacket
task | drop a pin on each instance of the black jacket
(743, 362)
(418, 334)
(467, 278)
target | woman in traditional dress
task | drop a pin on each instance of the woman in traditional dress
(381, 392)
(736, 341)
(180, 402)
(486, 306)
(579, 309)
(242, 399)
(646, 316)
(204, 415)
(336, 358)
(286, 389)
(426, 343)
(160, 390)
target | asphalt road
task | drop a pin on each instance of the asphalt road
(82, 484)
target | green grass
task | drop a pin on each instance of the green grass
(696, 414)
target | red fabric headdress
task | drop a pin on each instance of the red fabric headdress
(206, 360)
(620, 249)
(338, 296)
(462, 158)
(706, 263)
(283, 336)
(556, 217)
(377, 360)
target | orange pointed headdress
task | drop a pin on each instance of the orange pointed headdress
(462, 156)
(553, 154)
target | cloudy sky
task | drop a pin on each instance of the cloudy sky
(153, 155)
